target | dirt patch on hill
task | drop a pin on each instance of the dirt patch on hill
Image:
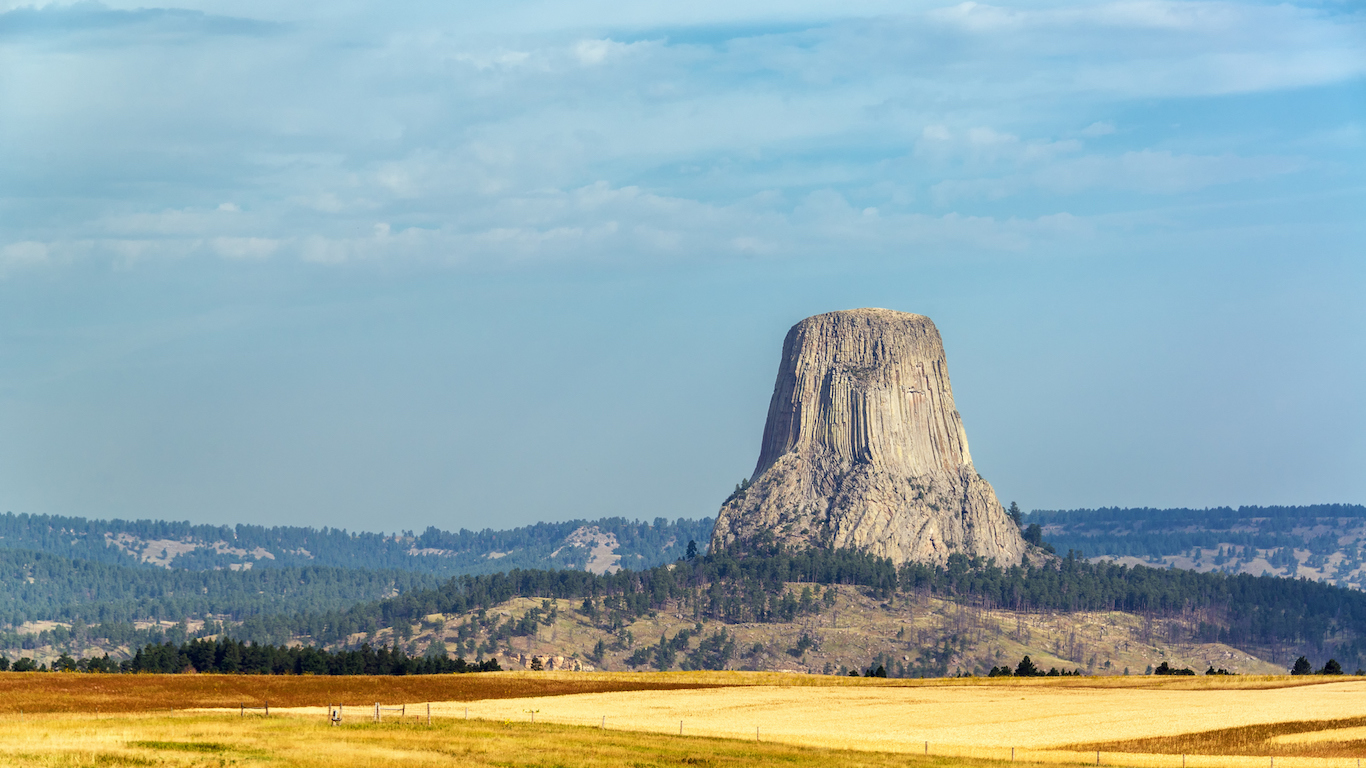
(602, 548)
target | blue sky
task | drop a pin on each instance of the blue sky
(384, 266)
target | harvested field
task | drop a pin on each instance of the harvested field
(57, 692)
(1330, 733)
(1305, 738)
(1198, 722)
(199, 741)
(980, 719)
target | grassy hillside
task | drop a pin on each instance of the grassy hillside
(909, 635)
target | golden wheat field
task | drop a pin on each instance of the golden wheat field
(545, 719)
(981, 720)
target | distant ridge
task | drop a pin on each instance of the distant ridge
(573, 544)
(1322, 542)
(1054, 516)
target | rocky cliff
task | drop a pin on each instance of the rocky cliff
(863, 448)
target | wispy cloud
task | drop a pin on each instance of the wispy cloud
(717, 136)
(96, 23)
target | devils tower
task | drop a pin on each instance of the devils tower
(863, 448)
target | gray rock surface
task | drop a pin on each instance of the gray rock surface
(864, 448)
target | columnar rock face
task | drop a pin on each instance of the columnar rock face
(863, 448)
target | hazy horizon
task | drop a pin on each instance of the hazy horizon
(380, 267)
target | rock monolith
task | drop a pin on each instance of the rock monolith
(864, 448)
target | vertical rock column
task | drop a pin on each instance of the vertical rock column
(864, 448)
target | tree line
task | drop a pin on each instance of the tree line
(1144, 532)
(227, 656)
(41, 586)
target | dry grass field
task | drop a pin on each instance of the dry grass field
(984, 718)
(213, 741)
(87, 693)
(802, 720)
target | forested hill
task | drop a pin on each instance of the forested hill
(110, 600)
(599, 545)
(1324, 542)
(1269, 615)
(129, 581)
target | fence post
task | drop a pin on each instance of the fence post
(680, 727)
(429, 713)
(267, 709)
(377, 711)
(927, 747)
(603, 727)
(242, 709)
(1012, 754)
(756, 734)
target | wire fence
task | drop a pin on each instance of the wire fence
(399, 710)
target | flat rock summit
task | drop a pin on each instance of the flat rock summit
(864, 448)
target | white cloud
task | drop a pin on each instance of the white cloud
(1159, 172)
(22, 254)
(245, 247)
(596, 51)
(495, 59)
(1098, 128)
(1146, 171)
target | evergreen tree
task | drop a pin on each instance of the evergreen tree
(1301, 667)
(1331, 668)
(1026, 668)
